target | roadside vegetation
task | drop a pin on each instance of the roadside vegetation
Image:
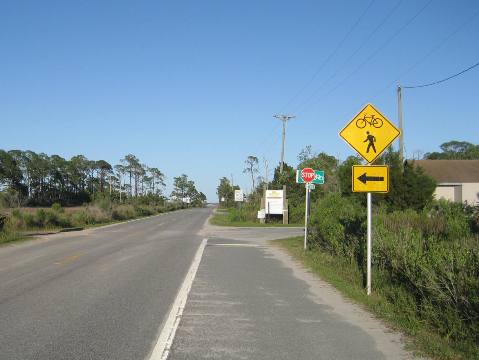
(242, 217)
(425, 252)
(41, 193)
(20, 222)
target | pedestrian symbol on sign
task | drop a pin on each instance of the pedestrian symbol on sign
(370, 139)
(379, 135)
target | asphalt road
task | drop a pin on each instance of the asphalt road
(109, 293)
(95, 294)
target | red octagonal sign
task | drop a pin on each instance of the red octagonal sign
(308, 175)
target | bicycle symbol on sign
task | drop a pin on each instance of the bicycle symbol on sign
(371, 120)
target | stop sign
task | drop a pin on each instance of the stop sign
(308, 175)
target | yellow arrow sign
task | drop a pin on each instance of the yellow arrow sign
(372, 178)
(369, 133)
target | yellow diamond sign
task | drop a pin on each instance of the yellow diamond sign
(369, 133)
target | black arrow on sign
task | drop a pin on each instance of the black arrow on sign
(364, 178)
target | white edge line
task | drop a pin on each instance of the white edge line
(235, 245)
(167, 335)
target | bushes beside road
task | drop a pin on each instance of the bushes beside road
(19, 221)
(425, 263)
(244, 215)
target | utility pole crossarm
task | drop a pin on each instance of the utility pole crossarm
(284, 119)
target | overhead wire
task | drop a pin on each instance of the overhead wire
(442, 80)
(320, 68)
(331, 55)
(363, 43)
(429, 53)
(373, 54)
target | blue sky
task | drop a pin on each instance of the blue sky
(191, 86)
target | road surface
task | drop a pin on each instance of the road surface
(110, 293)
(95, 294)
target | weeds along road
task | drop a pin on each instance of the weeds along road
(174, 287)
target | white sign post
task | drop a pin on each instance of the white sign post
(261, 214)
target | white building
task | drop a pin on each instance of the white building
(457, 180)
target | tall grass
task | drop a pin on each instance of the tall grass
(100, 212)
(426, 264)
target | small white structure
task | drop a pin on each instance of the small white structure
(274, 202)
(457, 180)
(239, 195)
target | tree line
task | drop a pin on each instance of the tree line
(410, 186)
(38, 179)
(455, 150)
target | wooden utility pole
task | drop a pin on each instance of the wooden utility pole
(284, 119)
(401, 125)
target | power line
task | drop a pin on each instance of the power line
(432, 51)
(365, 41)
(331, 55)
(373, 54)
(266, 140)
(443, 80)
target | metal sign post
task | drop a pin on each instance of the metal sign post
(306, 216)
(370, 133)
(369, 244)
(311, 178)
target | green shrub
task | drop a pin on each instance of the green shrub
(40, 217)
(454, 216)
(8, 236)
(57, 207)
(296, 214)
(29, 220)
(144, 210)
(56, 219)
(337, 225)
(429, 255)
(123, 212)
(80, 218)
(51, 218)
(90, 215)
(442, 276)
(425, 263)
(3, 221)
(17, 213)
(103, 203)
(247, 212)
(97, 215)
(13, 223)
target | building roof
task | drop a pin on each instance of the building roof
(451, 171)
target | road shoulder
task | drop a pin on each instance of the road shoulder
(253, 300)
